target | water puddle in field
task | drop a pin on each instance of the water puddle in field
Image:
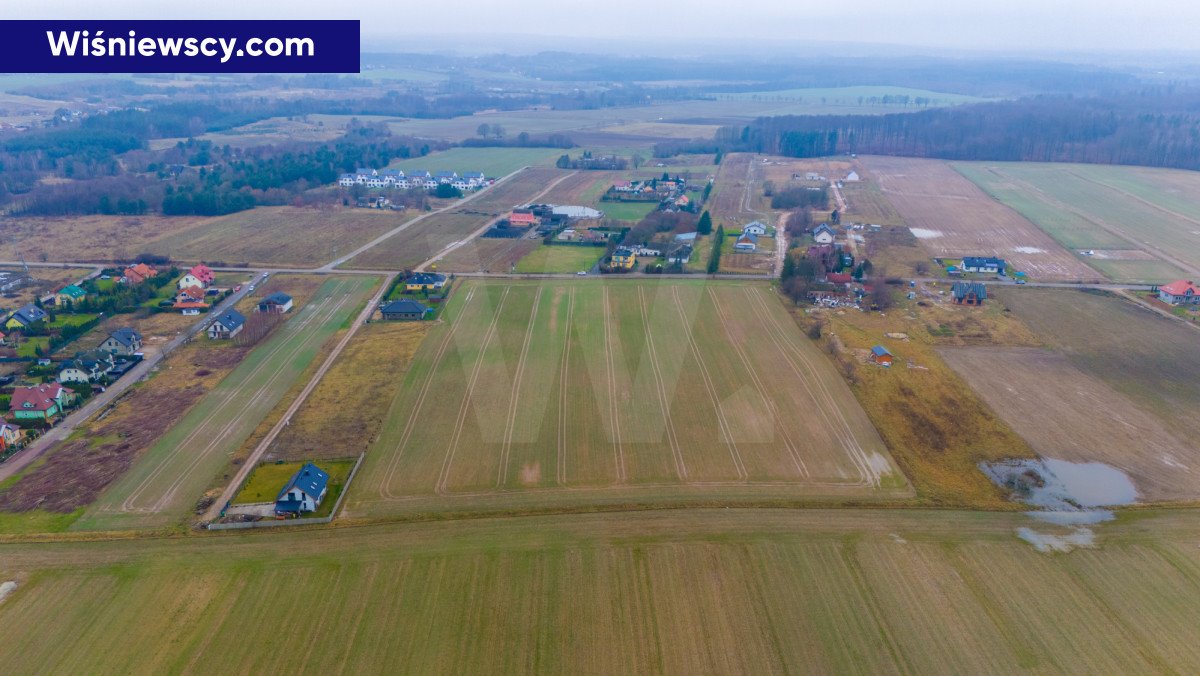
(1028, 250)
(925, 233)
(1069, 497)
(7, 588)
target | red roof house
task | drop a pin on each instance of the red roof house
(839, 278)
(521, 217)
(136, 274)
(203, 273)
(1180, 292)
(42, 401)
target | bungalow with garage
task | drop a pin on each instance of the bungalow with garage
(200, 275)
(69, 295)
(425, 281)
(24, 317)
(227, 325)
(1180, 292)
(403, 310)
(881, 356)
(10, 435)
(124, 341)
(754, 228)
(276, 303)
(823, 234)
(746, 243)
(968, 293)
(86, 367)
(983, 264)
(40, 402)
(136, 274)
(303, 492)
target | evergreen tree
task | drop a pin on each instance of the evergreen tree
(704, 225)
(714, 260)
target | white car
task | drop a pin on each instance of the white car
(581, 273)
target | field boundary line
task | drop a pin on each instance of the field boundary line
(464, 407)
(560, 469)
(722, 423)
(613, 409)
(515, 394)
(663, 403)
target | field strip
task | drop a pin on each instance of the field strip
(614, 423)
(515, 395)
(230, 427)
(792, 450)
(398, 452)
(722, 423)
(128, 504)
(817, 388)
(560, 468)
(465, 407)
(663, 403)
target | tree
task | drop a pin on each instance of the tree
(881, 295)
(707, 191)
(704, 225)
(666, 177)
(497, 131)
(768, 188)
(446, 190)
(835, 216)
(714, 259)
(637, 160)
(484, 130)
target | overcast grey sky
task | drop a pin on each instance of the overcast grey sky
(1010, 25)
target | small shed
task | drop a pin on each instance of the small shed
(881, 356)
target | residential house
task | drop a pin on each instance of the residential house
(189, 294)
(425, 281)
(643, 250)
(346, 180)
(124, 341)
(680, 255)
(823, 234)
(227, 325)
(276, 303)
(303, 492)
(852, 177)
(842, 278)
(968, 293)
(69, 295)
(1180, 292)
(10, 435)
(136, 274)
(403, 310)
(445, 176)
(754, 228)
(520, 218)
(86, 367)
(190, 309)
(624, 257)
(881, 356)
(200, 275)
(746, 243)
(27, 315)
(40, 402)
(983, 264)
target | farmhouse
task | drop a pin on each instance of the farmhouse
(881, 356)
(401, 310)
(823, 234)
(200, 275)
(124, 341)
(26, 316)
(423, 281)
(303, 492)
(746, 243)
(40, 402)
(624, 257)
(754, 228)
(136, 274)
(1180, 292)
(69, 295)
(983, 264)
(226, 325)
(276, 303)
(968, 293)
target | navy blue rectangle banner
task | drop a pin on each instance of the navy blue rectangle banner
(137, 46)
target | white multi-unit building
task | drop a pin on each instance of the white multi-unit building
(394, 178)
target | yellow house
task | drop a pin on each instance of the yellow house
(69, 295)
(423, 281)
(25, 316)
(624, 257)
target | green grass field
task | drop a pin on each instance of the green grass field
(560, 258)
(684, 591)
(494, 162)
(1152, 212)
(618, 391)
(627, 211)
(164, 484)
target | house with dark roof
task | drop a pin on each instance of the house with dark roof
(983, 264)
(746, 243)
(276, 303)
(423, 281)
(86, 367)
(403, 310)
(823, 234)
(680, 254)
(25, 316)
(881, 356)
(124, 341)
(226, 325)
(754, 228)
(303, 492)
(40, 402)
(968, 293)
(1180, 292)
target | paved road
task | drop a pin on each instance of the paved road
(33, 451)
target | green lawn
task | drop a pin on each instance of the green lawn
(494, 162)
(62, 320)
(627, 211)
(28, 346)
(268, 479)
(560, 258)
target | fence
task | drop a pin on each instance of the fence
(272, 523)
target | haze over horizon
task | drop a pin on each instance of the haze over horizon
(1017, 26)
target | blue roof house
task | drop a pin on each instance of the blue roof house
(303, 492)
